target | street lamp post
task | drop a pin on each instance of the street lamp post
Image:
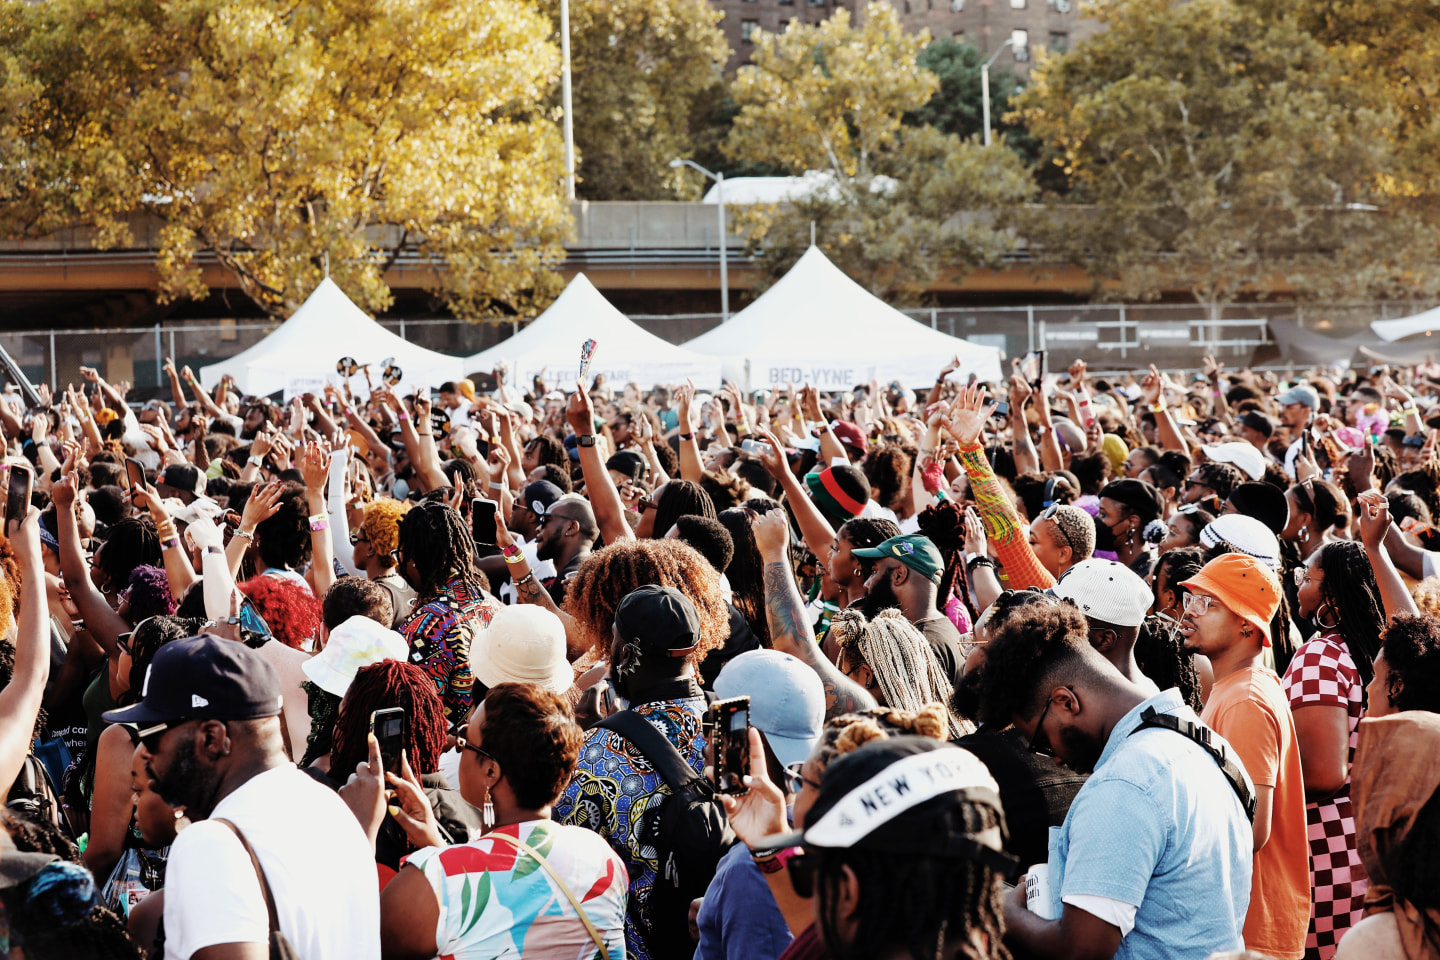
(985, 86)
(565, 99)
(719, 179)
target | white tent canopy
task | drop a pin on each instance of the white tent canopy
(1399, 329)
(624, 352)
(301, 355)
(817, 325)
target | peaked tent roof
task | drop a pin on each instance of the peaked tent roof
(1392, 330)
(817, 325)
(624, 351)
(301, 354)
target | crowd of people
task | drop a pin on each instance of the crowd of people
(1064, 667)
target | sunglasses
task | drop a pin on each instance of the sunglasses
(795, 780)
(358, 538)
(802, 868)
(462, 744)
(1037, 745)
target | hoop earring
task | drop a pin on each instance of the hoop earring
(1319, 622)
(857, 571)
(1304, 532)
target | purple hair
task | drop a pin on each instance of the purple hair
(150, 593)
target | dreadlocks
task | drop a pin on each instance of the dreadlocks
(901, 660)
(913, 901)
(1160, 654)
(1350, 590)
(436, 541)
(944, 523)
(390, 683)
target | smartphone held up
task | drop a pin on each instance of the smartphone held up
(17, 494)
(729, 722)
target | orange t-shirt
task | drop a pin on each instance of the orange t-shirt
(1248, 708)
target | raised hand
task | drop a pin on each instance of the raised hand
(975, 542)
(579, 414)
(772, 533)
(1020, 394)
(1373, 512)
(412, 809)
(314, 463)
(772, 455)
(1077, 373)
(1211, 368)
(685, 409)
(263, 504)
(759, 812)
(1151, 386)
(968, 415)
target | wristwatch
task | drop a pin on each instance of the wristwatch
(585, 440)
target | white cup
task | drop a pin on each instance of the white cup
(1038, 898)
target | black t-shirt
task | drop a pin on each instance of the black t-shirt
(944, 639)
(556, 586)
(1035, 791)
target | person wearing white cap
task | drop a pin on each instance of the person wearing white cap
(1115, 601)
(1243, 535)
(738, 917)
(356, 643)
(524, 644)
(1239, 453)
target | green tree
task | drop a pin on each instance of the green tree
(1215, 150)
(278, 139)
(896, 206)
(640, 69)
(956, 105)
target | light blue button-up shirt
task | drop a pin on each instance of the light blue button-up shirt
(1158, 826)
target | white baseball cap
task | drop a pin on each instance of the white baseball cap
(523, 644)
(1107, 591)
(1241, 454)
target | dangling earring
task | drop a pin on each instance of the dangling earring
(1130, 538)
(1304, 532)
(487, 812)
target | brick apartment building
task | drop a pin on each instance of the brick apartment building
(1035, 24)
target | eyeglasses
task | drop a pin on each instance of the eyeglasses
(1036, 746)
(795, 780)
(462, 744)
(1198, 604)
(1302, 576)
(358, 537)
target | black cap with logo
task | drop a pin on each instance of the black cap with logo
(204, 678)
(658, 620)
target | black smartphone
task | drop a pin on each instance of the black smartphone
(730, 721)
(135, 474)
(17, 498)
(388, 726)
(1002, 409)
(482, 520)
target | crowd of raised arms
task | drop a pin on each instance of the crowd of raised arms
(1144, 666)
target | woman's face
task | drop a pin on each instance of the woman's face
(1181, 533)
(1049, 545)
(842, 564)
(361, 549)
(154, 818)
(1167, 599)
(530, 456)
(1310, 593)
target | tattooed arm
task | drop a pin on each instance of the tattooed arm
(789, 626)
(528, 589)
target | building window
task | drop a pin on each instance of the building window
(1059, 42)
(1020, 44)
(1060, 6)
(957, 6)
(1017, 4)
(747, 30)
(816, 3)
(787, 3)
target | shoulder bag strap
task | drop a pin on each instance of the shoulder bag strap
(655, 745)
(559, 882)
(1201, 735)
(259, 873)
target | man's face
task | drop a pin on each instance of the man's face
(550, 537)
(880, 588)
(620, 430)
(523, 521)
(254, 420)
(1207, 627)
(1060, 730)
(1295, 415)
(179, 773)
(448, 400)
(1196, 490)
(1136, 464)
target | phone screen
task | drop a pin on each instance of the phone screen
(731, 720)
(482, 520)
(17, 498)
(389, 728)
(135, 474)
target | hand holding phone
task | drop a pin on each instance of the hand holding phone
(135, 474)
(482, 520)
(17, 496)
(730, 721)
(388, 727)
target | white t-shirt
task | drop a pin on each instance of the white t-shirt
(543, 569)
(314, 854)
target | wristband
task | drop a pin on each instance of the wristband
(687, 437)
(773, 861)
(255, 462)
(496, 486)
(1157, 407)
(518, 558)
(246, 535)
(170, 544)
(214, 549)
(496, 440)
(403, 416)
(319, 522)
(979, 560)
(510, 551)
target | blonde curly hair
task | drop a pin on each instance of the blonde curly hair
(905, 668)
(851, 731)
(382, 525)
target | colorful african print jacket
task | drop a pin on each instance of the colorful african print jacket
(615, 788)
(439, 633)
(1002, 524)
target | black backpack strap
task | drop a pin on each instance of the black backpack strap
(656, 747)
(1202, 735)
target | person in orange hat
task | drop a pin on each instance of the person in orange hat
(1227, 618)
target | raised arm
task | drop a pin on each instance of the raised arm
(1153, 389)
(599, 487)
(830, 445)
(104, 624)
(814, 528)
(313, 459)
(178, 570)
(1373, 512)
(691, 467)
(177, 392)
(20, 699)
(790, 630)
(201, 394)
(1026, 459)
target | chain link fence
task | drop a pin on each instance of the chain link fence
(1108, 337)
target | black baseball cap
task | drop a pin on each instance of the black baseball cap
(540, 496)
(658, 620)
(204, 678)
(901, 795)
(185, 477)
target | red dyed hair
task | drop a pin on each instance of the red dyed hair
(291, 610)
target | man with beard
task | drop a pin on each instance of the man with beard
(526, 517)
(564, 537)
(209, 729)
(652, 666)
(1154, 857)
(907, 577)
(1115, 603)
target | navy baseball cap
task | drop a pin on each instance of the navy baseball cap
(203, 678)
(659, 620)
